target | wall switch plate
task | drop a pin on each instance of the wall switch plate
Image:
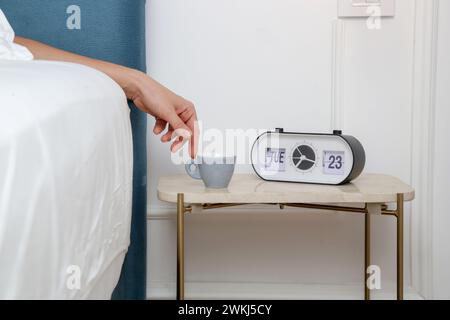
(366, 8)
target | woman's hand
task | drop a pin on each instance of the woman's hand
(173, 113)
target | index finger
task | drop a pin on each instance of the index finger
(195, 129)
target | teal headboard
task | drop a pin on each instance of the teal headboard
(112, 30)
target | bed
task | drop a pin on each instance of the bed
(73, 159)
(65, 186)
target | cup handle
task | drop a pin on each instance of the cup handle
(193, 170)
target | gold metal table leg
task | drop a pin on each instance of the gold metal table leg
(400, 199)
(366, 255)
(398, 213)
(180, 246)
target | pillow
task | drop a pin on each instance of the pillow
(8, 49)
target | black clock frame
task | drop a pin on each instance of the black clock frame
(359, 154)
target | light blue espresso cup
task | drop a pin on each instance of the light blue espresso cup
(215, 171)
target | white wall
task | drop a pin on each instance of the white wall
(441, 187)
(289, 63)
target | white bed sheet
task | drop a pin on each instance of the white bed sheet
(65, 181)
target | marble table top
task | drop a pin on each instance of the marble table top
(248, 188)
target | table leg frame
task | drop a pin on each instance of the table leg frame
(398, 214)
(366, 255)
(181, 210)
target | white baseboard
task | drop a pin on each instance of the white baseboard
(270, 291)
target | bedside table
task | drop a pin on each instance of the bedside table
(369, 195)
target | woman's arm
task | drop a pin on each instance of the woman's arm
(169, 109)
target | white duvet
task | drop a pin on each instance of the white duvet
(65, 181)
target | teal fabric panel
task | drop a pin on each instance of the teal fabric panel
(111, 30)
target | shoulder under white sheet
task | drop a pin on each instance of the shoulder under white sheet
(65, 181)
(8, 49)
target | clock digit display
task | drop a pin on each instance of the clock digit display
(333, 162)
(275, 160)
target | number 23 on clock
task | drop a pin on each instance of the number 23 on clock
(334, 162)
